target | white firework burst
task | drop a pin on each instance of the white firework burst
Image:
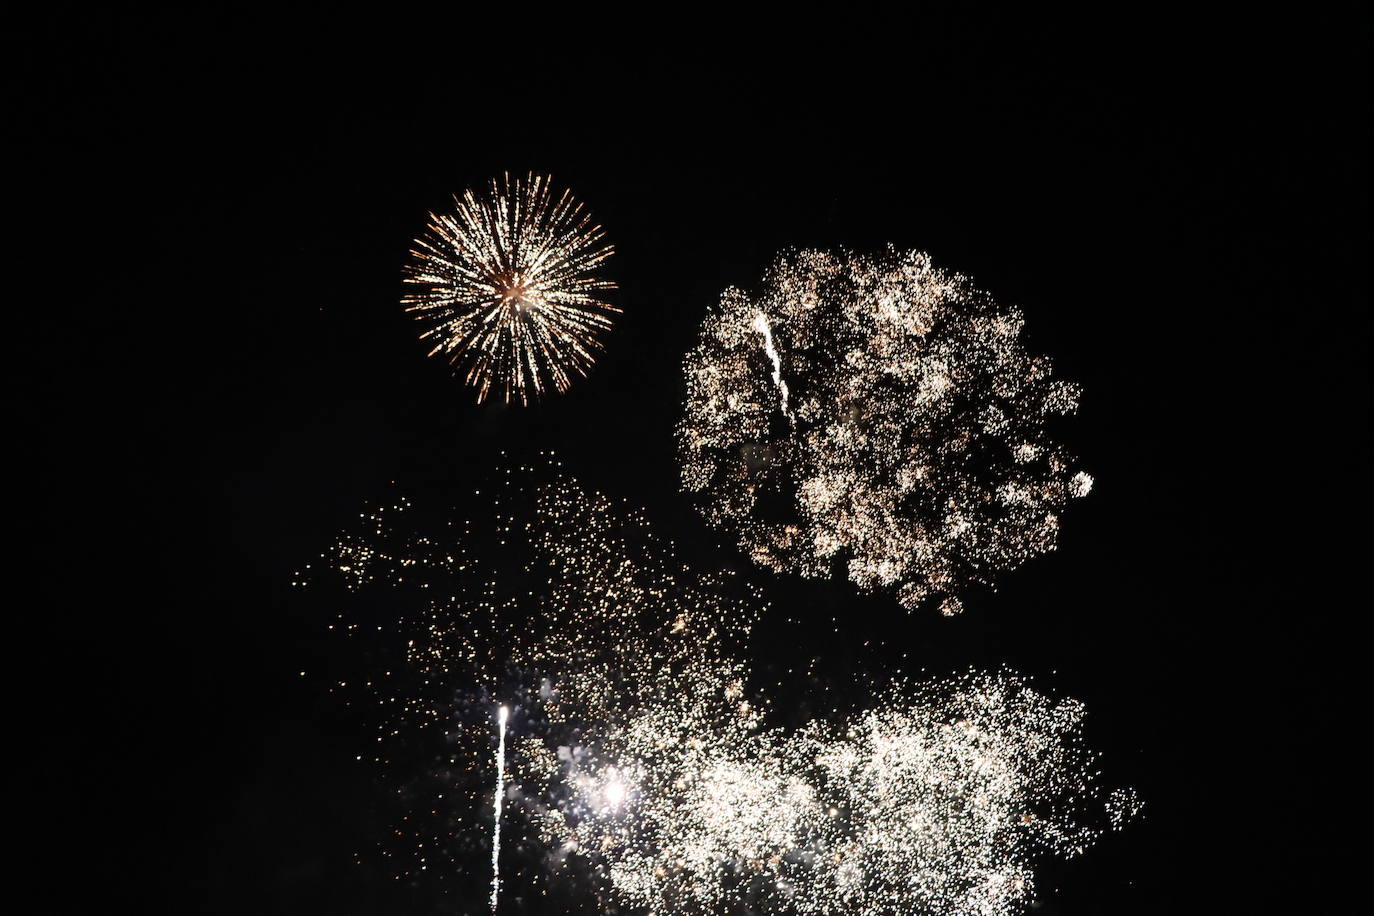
(877, 415)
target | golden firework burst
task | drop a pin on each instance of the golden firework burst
(505, 284)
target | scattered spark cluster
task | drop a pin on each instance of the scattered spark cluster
(879, 415)
(544, 596)
(642, 759)
(506, 286)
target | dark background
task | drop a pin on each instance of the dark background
(217, 377)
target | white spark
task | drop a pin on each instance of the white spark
(501, 715)
(763, 327)
(917, 455)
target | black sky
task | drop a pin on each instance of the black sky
(219, 377)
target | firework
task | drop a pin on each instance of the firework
(877, 415)
(505, 284)
(937, 799)
(643, 762)
(554, 597)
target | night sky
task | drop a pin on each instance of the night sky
(222, 378)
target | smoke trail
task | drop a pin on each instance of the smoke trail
(761, 325)
(501, 716)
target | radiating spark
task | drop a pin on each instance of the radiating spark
(506, 285)
(917, 455)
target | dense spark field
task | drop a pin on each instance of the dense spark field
(542, 587)
(506, 287)
(641, 755)
(877, 414)
(938, 799)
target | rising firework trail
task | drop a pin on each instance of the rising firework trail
(501, 716)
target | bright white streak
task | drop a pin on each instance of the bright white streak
(761, 325)
(501, 715)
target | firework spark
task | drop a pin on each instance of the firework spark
(650, 769)
(505, 284)
(877, 414)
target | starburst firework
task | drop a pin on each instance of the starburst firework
(876, 414)
(506, 287)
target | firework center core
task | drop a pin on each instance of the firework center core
(517, 293)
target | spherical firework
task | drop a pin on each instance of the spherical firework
(876, 414)
(505, 285)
